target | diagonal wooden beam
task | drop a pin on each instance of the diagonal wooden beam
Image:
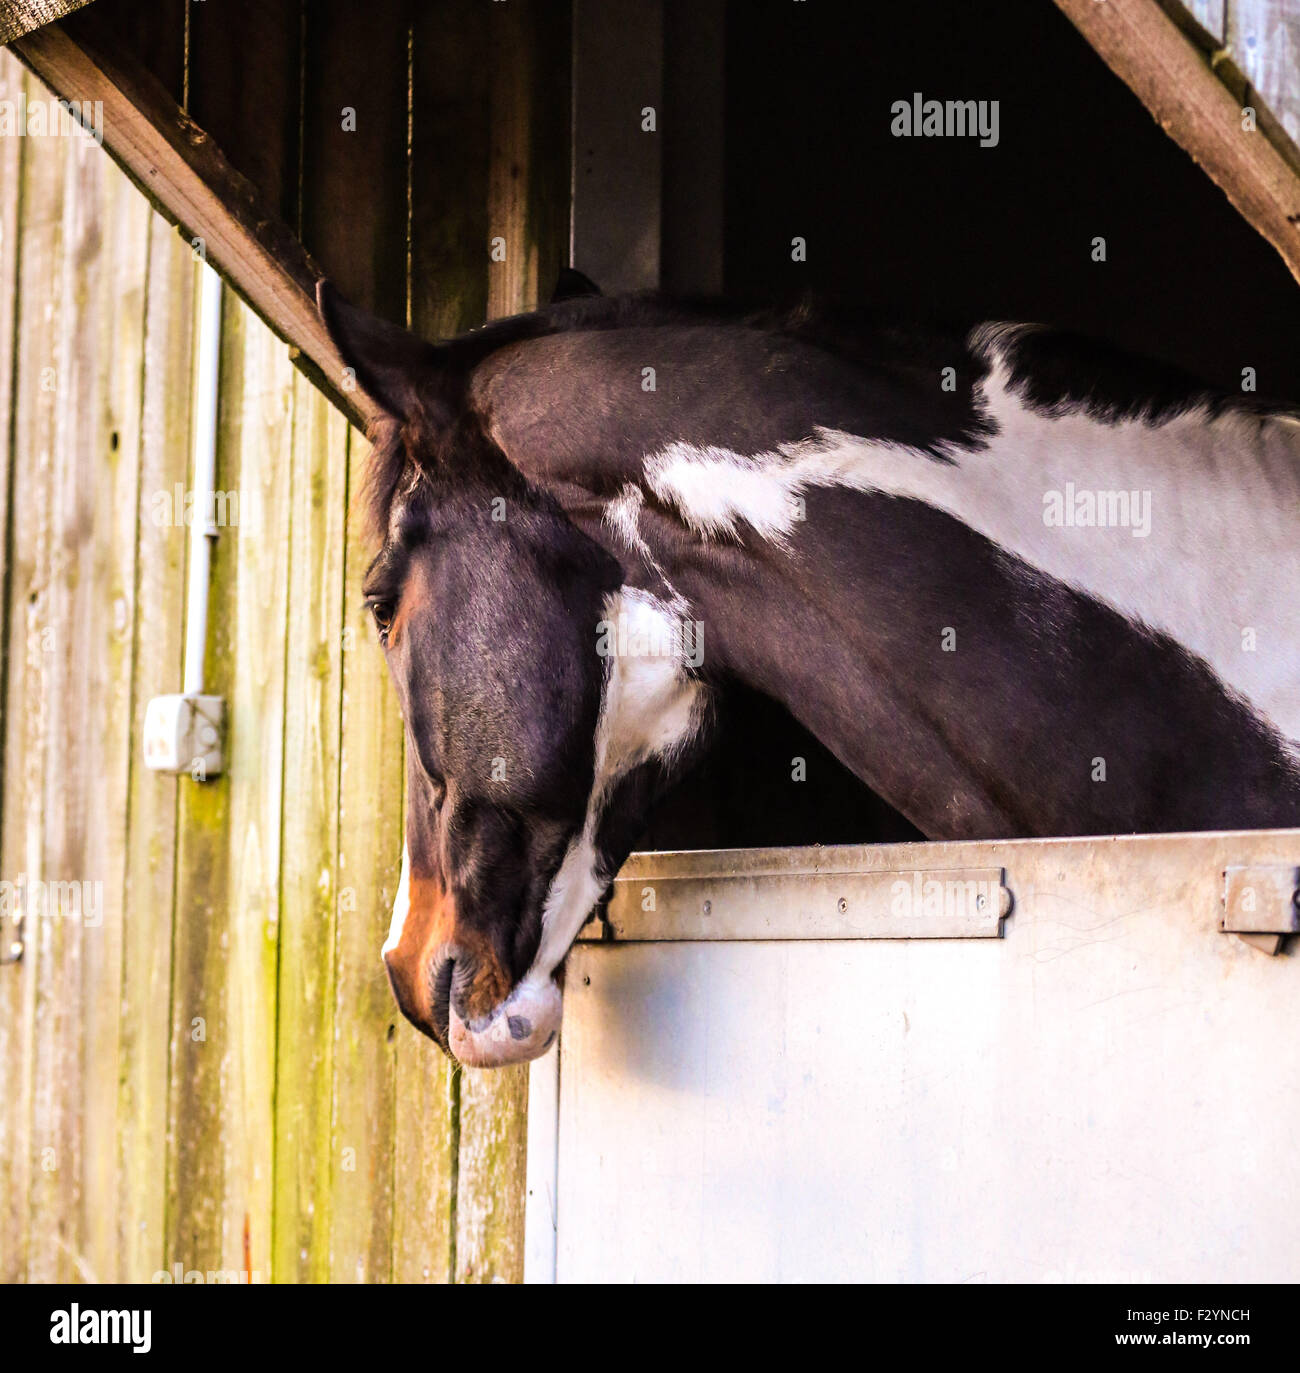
(18, 17)
(188, 179)
(1177, 82)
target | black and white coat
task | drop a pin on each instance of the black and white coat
(1019, 583)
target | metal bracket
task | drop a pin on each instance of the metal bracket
(1261, 904)
(952, 903)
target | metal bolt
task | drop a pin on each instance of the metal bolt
(708, 908)
(981, 902)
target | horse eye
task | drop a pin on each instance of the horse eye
(383, 613)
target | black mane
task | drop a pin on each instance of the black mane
(1053, 370)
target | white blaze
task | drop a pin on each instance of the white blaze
(401, 904)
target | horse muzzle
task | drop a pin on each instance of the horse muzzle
(521, 1027)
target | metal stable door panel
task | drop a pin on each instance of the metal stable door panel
(1111, 1091)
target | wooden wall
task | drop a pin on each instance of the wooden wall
(215, 1074)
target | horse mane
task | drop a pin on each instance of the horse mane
(1054, 370)
(414, 447)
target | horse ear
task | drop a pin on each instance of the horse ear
(390, 363)
(571, 284)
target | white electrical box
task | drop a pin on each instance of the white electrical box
(183, 734)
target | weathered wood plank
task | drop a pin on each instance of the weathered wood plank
(150, 877)
(694, 167)
(40, 227)
(65, 927)
(152, 35)
(1264, 36)
(189, 180)
(11, 171)
(618, 168)
(450, 132)
(355, 134)
(1210, 14)
(369, 857)
(426, 1140)
(22, 16)
(199, 1040)
(1175, 81)
(529, 142)
(113, 463)
(219, 1212)
(243, 91)
(528, 202)
(309, 869)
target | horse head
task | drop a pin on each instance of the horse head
(528, 761)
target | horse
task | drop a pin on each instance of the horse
(1018, 582)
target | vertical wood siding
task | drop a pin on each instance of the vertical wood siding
(211, 1072)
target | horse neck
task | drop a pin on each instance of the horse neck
(976, 696)
(788, 627)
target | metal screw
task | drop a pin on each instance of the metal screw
(842, 904)
(708, 908)
(981, 902)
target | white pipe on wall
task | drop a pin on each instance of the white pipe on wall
(203, 529)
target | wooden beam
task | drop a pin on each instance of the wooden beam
(189, 180)
(1179, 85)
(22, 16)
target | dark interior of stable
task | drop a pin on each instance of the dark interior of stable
(942, 228)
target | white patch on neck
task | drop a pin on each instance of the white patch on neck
(1221, 555)
(401, 905)
(650, 709)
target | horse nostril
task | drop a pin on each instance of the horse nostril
(440, 998)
